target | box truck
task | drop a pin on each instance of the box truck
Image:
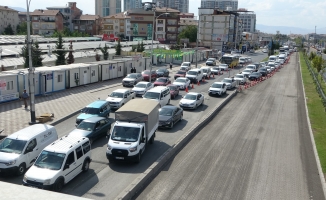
(135, 125)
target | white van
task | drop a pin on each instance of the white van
(272, 58)
(19, 150)
(206, 71)
(59, 163)
(195, 75)
(160, 94)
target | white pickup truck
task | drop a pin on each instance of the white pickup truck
(120, 97)
(241, 78)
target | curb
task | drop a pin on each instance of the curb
(320, 171)
(64, 118)
(140, 182)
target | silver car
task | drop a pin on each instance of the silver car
(132, 79)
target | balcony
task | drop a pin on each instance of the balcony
(172, 23)
(47, 20)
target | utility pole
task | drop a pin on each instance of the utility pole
(197, 44)
(315, 40)
(31, 81)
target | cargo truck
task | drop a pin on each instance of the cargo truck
(135, 126)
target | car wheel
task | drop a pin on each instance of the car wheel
(169, 102)
(172, 124)
(108, 115)
(151, 141)
(181, 117)
(86, 165)
(58, 185)
(21, 169)
(138, 157)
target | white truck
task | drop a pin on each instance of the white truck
(135, 126)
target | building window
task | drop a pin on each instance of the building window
(76, 76)
(160, 21)
(159, 28)
(59, 78)
(93, 73)
(10, 85)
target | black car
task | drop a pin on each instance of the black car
(169, 115)
(162, 72)
(93, 128)
(263, 71)
(254, 76)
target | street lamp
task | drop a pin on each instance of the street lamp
(31, 81)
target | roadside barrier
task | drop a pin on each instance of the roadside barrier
(192, 86)
(198, 82)
(213, 75)
(187, 89)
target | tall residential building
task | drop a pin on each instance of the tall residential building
(8, 16)
(248, 21)
(131, 4)
(221, 4)
(69, 12)
(181, 5)
(107, 7)
(45, 22)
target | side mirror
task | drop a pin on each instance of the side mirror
(66, 166)
(143, 140)
(108, 136)
(81, 110)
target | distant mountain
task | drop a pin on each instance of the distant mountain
(287, 30)
(19, 9)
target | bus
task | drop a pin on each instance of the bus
(231, 60)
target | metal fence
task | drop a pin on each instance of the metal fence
(316, 81)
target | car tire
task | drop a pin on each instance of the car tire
(168, 102)
(181, 117)
(21, 169)
(172, 124)
(138, 157)
(58, 185)
(151, 141)
(86, 165)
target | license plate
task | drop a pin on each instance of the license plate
(120, 158)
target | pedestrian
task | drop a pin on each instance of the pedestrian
(25, 97)
(134, 69)
(170, 65)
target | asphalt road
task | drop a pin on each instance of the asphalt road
(106, 181)
(257, 147)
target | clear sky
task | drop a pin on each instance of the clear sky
(295, 13)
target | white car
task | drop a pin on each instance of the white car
(223, 67)
(185, 66)
(183, 83)
(251, 67)
(230, 83)
(264, 51)
(216, 70)
(240, 78)
(207, 71)
(142, 87)
(218, 88)
(211, 62)
(247, 72)
(120, 97)
(191, 100)
(281, 61)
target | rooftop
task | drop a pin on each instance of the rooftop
(7, 8)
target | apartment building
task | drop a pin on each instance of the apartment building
(220, 4)
(69, 12)
(117, 25)
(89, 24)
(131, 4)
(217, 28)
(181, 5)
(184, 22)
(8, 16)
(247, 20)
(45, 22)
(107, 7)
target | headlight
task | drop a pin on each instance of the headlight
(109, 147)
(133, 149)
(47, 182)
(11, 163)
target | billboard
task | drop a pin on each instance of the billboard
(220, 37)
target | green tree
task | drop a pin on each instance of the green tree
(24, 53)
(142, 46)
(70, 58)
(36, 55)
(8, 30)
(118, 48)
(317, 63)
(105, 52)
(22, 28)
(312, 55)
(189, 32)
(138, 47)
(60, 52)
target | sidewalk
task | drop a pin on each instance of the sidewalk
(63, 104)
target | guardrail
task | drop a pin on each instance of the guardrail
(316, 81)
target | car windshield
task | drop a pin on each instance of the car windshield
(166, 111)
(190, 97)
(50, 160)
(215, 68)
(140, 85)
(87, 126)
(227, 80)
(239, 76)
(180, 80)
(250, 67)
(181, 72)
(262, 69)
(152, 95)
(256, 74)
(217, 85)
(211, 59)
(125, 134)
(185, 64)
(92, 111)
(205, 70)
(12, 146)
(161, 70)
(247, 70)
(131, 76)
(145, 72)
(223, 65)
(271, 65)
(172, 88)
(192, 73)
(161, 80)
(116, 95)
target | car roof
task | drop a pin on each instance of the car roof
(65, 144)
(195, 70)
(205, 67)
(218, 82)
(193, 93)
(121, 90)
(96, 104)
(181, 71)
(182, 78)
(30, 131)
(161, 68)
(157, 89)
(143, 82)
(93, 119)
(227, 78)
(170, 107)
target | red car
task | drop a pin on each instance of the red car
(147, 73)
(174, 90)
(180, 73)
(162, 81)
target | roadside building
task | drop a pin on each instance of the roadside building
(107, 7)
(117, 25)
(45, 22)
(89, 24)
(8, 16)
